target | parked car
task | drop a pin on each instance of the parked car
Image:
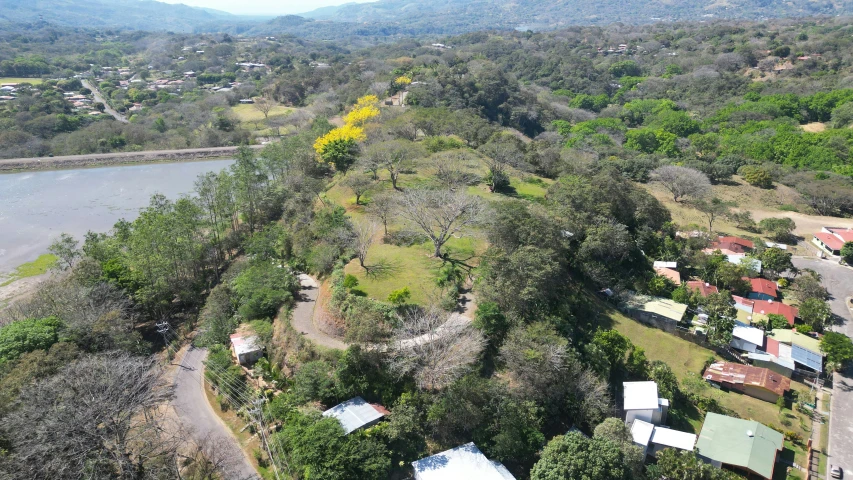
(836, 472)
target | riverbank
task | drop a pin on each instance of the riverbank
(114, 159)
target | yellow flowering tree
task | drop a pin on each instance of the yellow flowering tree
(340, 146)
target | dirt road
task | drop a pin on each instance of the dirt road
(806, 224)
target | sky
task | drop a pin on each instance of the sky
(263, 7)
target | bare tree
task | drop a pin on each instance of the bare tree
(207, 459)
(433, 348)
(394, 155)
(358, 183)
(440, 214)
(455, 169)
(500, 154)
(99, 417)
(711, 210)
(682, 181)
(365, 232)
(381, 207)
(264, 104)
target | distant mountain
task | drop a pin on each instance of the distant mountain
(126, 14)
(457, 16)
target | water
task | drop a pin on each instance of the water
(35, 207)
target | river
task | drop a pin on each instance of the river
(35, 207)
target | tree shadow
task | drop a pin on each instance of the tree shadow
(381, 269)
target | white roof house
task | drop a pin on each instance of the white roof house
(747, 338)
(652, 438)
(661, 264)
(465, 462)
(247, 349)
(641, 401)
(748, 262)
(356, 413)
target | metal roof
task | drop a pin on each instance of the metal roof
(742, 443)
(766, 357)
(354, 414)
(244, 345)
(793, 337)
(640, 395)
(641, 431)
(673, 438)
(465, 462)
(736, 373)
(750, 334)
(659, 306)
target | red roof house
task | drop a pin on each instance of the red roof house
(670, 274)
(769, 307)
(742, 242)
(703, 288)
(832, 239)
(762, 289)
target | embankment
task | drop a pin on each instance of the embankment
(119, 158)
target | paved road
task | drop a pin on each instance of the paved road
(303, 315)
(196, 414)
(839, 281)
(99, 98)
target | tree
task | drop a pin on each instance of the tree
(358, 183)
(434, 356)
(615, 430)
(365, 232)
(66, 251)
(682, 181)
(815, 313)
(847, 253)
(501, 153)
(711, 210)
(721, 316)
(838, 349)
(573, 456)
(492, 322)
(264, 104)
(381, 207)
(808, 285)
(756, 176)
(673, 464)
(440, 214)
(778, 229)
(18, 338)
(99, 417)
(400, 296)
(775, 261)
(262, 289)
(394, 155)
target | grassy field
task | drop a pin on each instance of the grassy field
(33, 81)
(37, 267)
(248, 113)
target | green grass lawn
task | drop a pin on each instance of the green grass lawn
(37, 267)
(248, 113)
(32, 81)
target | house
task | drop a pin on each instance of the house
(832, 239)
(761, 383)
(768, 307)
(746, 338)
(356, 413)
(730, 246)
(762, 289)
(651, 438)
(668, 270)
(246, 349)
(661, 312)
(246, 101)
(782, 366)
(703, 288)
(640, 401)
(465, 462)
(801, 348)
(743, 445)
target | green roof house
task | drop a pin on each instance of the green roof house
(745, 446)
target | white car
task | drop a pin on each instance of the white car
(836, 472)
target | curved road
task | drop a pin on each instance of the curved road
(195, 412)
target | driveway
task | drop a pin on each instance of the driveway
(839, 281)
(195, 412)
(303, 315)
(99, 98)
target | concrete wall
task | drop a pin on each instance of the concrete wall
(760, 393)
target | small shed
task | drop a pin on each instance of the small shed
(640, 401)
(246, 348)
(356, 413)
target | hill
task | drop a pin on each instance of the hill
(126, 14)
(455, 16)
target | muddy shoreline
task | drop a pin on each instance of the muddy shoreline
(114, 159)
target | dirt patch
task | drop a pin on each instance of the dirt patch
(20, 289)
(814, 127)
(806, 224)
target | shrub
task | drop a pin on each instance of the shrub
(350, 281)
(400, 296)
(756, 176)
